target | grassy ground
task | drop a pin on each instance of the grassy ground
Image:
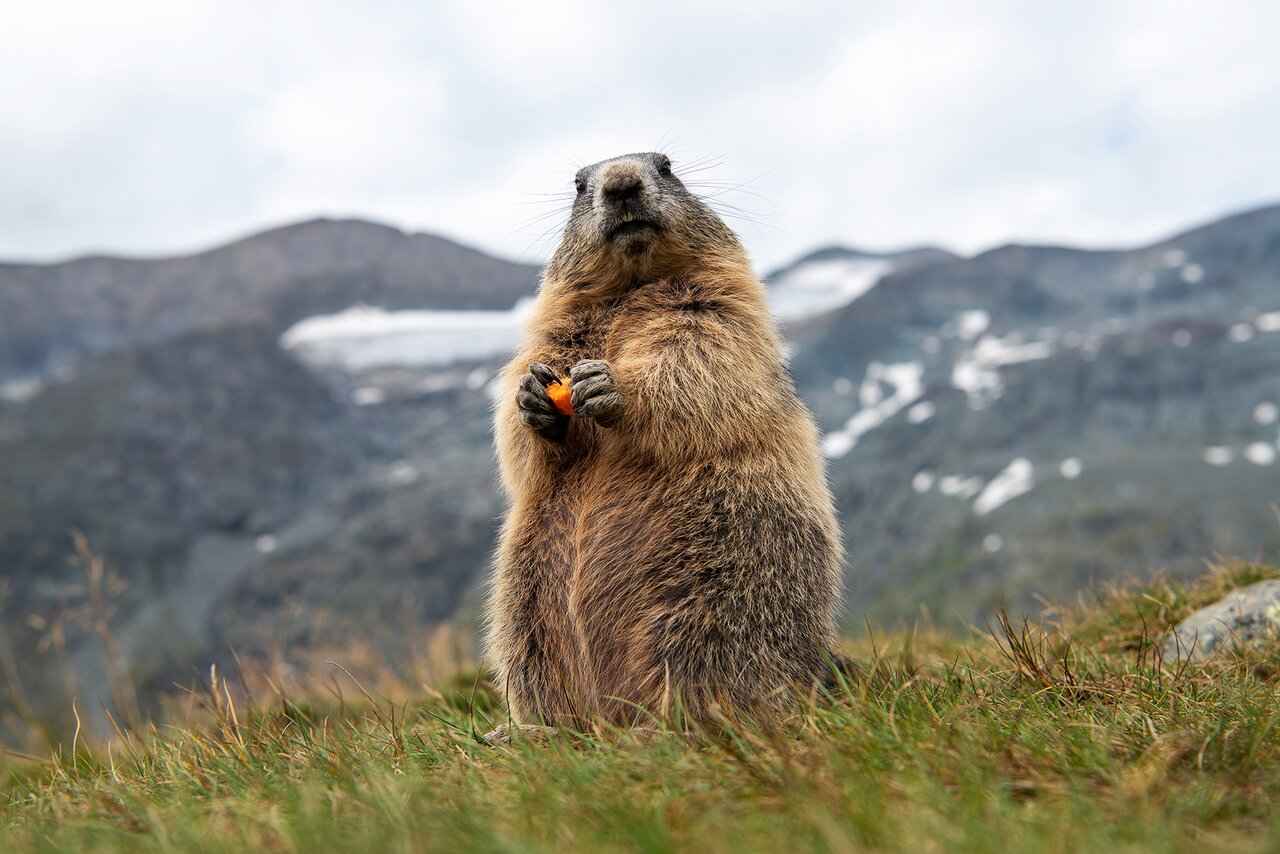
(1065, 737)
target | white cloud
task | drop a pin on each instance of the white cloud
(140, 126)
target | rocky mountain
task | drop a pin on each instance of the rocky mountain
(1035, 418)
(282, 445)
(51, 313)
(832, 277)
(151, 405)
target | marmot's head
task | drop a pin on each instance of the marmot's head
(633, 221)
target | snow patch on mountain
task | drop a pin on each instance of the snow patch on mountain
(976, 371)
(922, 412)
(1017, 478)
(1218, 455)
(1071, 468)
(1260, 453)
(816, 287)
(906, 380)
(960, 486)
(20, 390)
(364, 337)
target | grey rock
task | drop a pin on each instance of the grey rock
(1250, 615)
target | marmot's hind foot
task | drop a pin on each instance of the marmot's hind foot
(507, 733)
(838, 672)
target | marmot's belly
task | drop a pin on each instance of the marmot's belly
(709, 552)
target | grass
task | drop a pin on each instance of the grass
(1066, 736)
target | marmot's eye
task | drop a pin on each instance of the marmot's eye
(665, 168)
(581, 185)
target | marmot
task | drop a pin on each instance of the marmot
(674, 541)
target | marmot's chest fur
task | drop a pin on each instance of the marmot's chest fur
(673, 542)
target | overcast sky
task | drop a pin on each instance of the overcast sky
(146, 127)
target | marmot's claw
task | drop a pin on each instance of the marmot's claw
(595, 392)
(537, 410)
(583, 390)
(543, 373)
(507, 734)
(532, 397)
(606, 409)
(546, 426)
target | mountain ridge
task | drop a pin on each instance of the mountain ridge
(50, 313)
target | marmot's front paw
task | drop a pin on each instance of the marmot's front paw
(535, 406)
(595, 392)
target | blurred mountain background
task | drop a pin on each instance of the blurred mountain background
(282, 446)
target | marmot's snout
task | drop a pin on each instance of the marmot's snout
(626, 188)
(621, 188)
(627, 202)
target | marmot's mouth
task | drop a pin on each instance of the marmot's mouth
(635, 226)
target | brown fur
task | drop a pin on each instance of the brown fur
(688, 551)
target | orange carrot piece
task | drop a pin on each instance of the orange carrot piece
(559, 394)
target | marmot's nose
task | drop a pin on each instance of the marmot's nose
(619, 188)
